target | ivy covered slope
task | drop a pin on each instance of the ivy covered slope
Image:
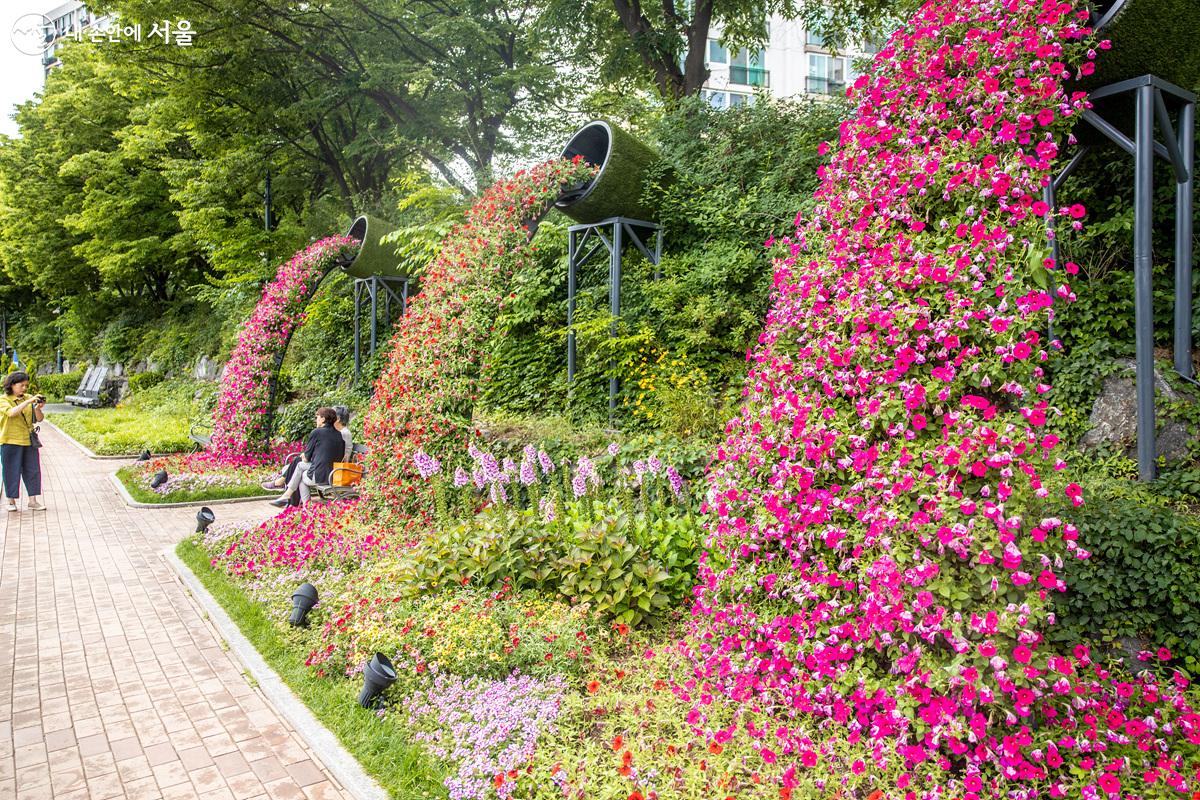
(879, 558)
(424, 397)
(240, 421)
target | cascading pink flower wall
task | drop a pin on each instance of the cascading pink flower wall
(240, 421)
(880, 551)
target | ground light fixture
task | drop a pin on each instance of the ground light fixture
(159, 479)
(144, 456)
(378, 675)
(204, 518)
(303, 599)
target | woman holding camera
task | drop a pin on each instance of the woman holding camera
(18, 414)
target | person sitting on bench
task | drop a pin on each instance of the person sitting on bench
(325, 446)
(285, 474)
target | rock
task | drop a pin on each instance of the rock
(1113, 421)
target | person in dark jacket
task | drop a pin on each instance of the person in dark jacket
(325, 446)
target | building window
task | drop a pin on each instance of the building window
(746, 68)
(737, 100)
(717, 54)
(718, 100)
(826, 74)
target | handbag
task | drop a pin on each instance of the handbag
(345, 473)
(34, 439)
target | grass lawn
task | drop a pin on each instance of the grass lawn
(382, 750)
(124, 431)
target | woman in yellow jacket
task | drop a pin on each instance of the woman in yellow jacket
(19, 412)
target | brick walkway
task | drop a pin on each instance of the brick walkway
(111, 682)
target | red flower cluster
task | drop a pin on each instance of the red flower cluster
(423, 398)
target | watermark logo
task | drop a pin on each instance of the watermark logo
(29, 34)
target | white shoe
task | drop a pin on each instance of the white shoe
(34, 505)
(11, 507)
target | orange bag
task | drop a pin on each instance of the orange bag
(345, 473)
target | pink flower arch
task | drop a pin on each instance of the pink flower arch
(240, 423)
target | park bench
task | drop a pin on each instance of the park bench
(201, 434)
(327, 492)
(91, 388)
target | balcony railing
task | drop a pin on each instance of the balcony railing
(750, 76)
(817, 85)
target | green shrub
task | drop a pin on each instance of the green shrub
(58, 386)
(1142, 576)
(140, 381)
(294, 421)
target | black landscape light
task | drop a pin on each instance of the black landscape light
(303, 599)
(378, 675)
(204, 518)
(159, 479)
(144, 456)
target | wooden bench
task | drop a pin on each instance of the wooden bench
(327, 492)
(201, 435)
(91, 389)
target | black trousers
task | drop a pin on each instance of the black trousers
(20, 461)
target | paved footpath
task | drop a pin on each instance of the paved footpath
(112, 684)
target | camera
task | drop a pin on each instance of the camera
(40, 399)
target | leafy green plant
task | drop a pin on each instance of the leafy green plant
(1144, 566)
(140, 381)
(629, 566)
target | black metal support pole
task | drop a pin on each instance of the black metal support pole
(1183, 242)
(571, 288)
(1142, 269)
(1049, 197)
(614, 301)
(267, 202)
(373, 288)
(404, 298)
(357, 330)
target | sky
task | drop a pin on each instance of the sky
(20, 74)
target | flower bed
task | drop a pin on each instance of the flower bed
(203, 476)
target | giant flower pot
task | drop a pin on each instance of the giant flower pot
(373, 257)
(616, 189)
(378, 675)
(1156, 37)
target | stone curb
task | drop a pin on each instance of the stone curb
(129, 501)
(324, 745)
(88, 452)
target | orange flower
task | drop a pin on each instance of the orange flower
(499, 780)
(715, 748)
(617, 742)
(875, 795)
(593, 687)
(635, 795)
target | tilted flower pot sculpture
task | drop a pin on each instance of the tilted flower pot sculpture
(159, 479)
(378, 675)
(616, 190)
(144, 456)
(373, 257)
(303, 599)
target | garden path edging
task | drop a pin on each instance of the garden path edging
(324, 745)
(87, 451)
(129, 501)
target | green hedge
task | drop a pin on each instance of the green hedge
(58, 386)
